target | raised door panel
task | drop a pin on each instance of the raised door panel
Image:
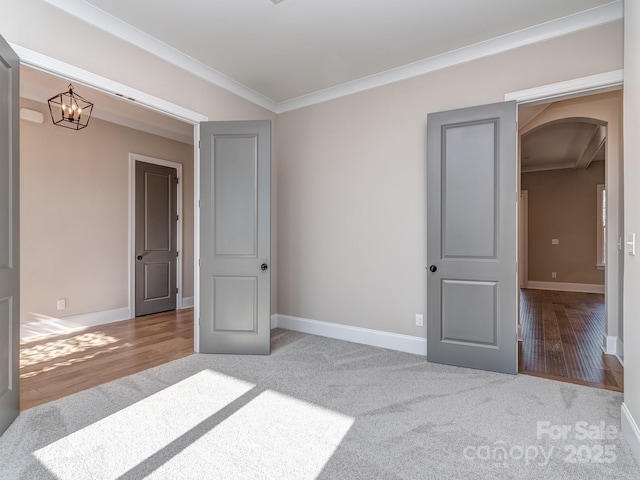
(471, 237)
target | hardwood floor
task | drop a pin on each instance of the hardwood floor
(56, 366)
(562, 338)
(562, 334)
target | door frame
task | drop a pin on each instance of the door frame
(523, 241)
(590, 85)
(51, 66)
(133, 158)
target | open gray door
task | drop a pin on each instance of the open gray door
(235, 238)
(471, 237)
(9, 237)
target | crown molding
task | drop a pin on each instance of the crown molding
(546, 31)
(116, 27)
(539, 33)
(598, 83)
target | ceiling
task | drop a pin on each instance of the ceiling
(572, 143)
(277, 52)
(291, 53)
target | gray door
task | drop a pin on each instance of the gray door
(156, 251)
(235, 246)
(471, 237)
(9, 237)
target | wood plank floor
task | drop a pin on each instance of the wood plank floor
(562, 333)
(562, 336)
(56, 366)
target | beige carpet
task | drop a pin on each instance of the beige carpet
(321, 408)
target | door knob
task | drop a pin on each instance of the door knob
(139, 257)
(264, 266)
(433, 269)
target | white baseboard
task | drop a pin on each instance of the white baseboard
(58, 326)
(620, 351)
(274, 321)
(375, 338)
(613, 346)
(566, 287)
(630, 431)
(187, 302)
(610, 345)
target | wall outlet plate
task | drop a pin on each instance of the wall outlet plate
(419, 320)
(62, 304)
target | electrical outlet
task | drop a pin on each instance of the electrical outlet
(555, 241)
(62, 304)
(419, 320)
(553, 275)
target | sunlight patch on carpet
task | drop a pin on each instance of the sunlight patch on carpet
(114, 445)
(273, 436)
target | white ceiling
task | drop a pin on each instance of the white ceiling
(274, 53)
(298, 52)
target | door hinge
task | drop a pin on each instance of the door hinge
(177, 180)
(177, 217)
(177, 254)
(176, 290)
(199, 144)
(198, 262)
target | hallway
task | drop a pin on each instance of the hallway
(562, 339)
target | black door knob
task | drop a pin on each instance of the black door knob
(433, 269)
(139, 257)
(264, 266)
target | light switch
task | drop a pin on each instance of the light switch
(631, 243)
(555, 241)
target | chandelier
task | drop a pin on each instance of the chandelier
(70, 110)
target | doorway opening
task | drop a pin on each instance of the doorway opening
(569, 219)
(90, 340)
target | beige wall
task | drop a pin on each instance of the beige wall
(352, 175)
(563, 206)
(632, 214)
(74, 204)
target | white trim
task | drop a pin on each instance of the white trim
(599, 83)
(375, 338)
(610, 345)
(274, 321)
(523, 240)
(60, 326)
(630, 431)
(196, 238)
(120, 29)
(133, 158)
(620, 350)
(566, 287)
(538, 33)
(535, 34)
(66, 71)
(601, 227)
(187, 302)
